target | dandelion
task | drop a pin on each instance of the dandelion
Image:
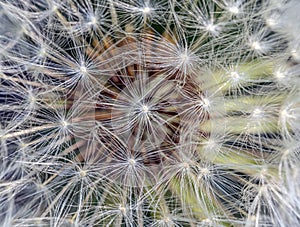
(149, 113)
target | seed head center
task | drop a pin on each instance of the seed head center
(145, 109)
(233, 9)
(83, 69)
(93, 20)
(122, 209)
(257, 113)
(235, 76)
(256, 45)
(146, 10)
(132, 162)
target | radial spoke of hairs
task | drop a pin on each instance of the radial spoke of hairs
(120, 206)
(151, 115)
(236, 8)
(21, 198)
(89, 17)
(210, 192)
(216, 183)
(262, 41)
(212, 28)
(138, 14)
(287, 156)
(166, 212)
(286, 75)
(242, 79)
(173, 53)
(37, 12)
(261, 123)
(21, 104)
(202, 17)
(289, 116)
(77, 66)
(261, 200)
(136, 164)
(226, 186)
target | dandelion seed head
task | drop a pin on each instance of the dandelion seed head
(287, 114)
(211, 27)
(167, 220)
(284, 113)
(211, 143)
(175, 107)
(262, 175)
